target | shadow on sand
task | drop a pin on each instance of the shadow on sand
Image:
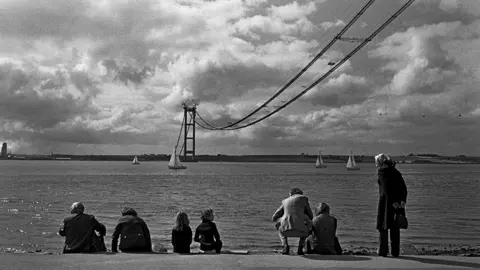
(336, 257)
(440, 261)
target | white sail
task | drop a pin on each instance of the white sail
(135, 160)
(175, 161)
(319, 163)
(351, 164)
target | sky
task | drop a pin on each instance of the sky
(109, 76)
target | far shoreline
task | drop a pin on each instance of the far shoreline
(328, 159)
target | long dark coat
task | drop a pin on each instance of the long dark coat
(392, 189)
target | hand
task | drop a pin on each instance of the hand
(395, 205)
(402, 204)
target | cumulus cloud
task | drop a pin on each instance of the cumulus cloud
(340, 91)
(328, 25)
(110, 76)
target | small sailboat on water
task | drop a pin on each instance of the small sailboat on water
(351, 164)
(174, 163)
(135, 161)
(319, 164)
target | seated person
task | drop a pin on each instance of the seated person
(293, 219)
(79, 231)
(135, 236)
(323, 240)
(181, 234)
(207, 234)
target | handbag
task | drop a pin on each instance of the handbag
(401, 221)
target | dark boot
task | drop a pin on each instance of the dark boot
(286, 250)
(300, 251)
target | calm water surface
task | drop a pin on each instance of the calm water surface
(443, 203)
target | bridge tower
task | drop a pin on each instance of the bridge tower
(189, 129)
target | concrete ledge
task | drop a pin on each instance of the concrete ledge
(230, 261)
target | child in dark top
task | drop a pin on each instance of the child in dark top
(181, 234)
(207, 234)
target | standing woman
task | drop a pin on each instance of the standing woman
(392, 199)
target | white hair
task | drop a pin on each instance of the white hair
(381, 159)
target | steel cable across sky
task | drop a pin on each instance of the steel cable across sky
(335, 67)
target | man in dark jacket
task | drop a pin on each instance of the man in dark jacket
(135, 236)
(79, 231)
(392, 200)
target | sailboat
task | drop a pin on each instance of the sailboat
(319, 164)
(351, 164)
(135, 161)
(175, 161)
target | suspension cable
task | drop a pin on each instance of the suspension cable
(180, 133)
(359, 47)
(289, 83)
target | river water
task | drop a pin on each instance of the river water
(443, 203)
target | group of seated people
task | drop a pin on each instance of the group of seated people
(84, 234)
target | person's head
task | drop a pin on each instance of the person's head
(322, 208)
(77, 208)
(181, 221)
(207, 215)
(382, 160)
(128, 211)
(296, 191)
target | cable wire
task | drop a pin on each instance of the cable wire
(320, 54)
(359, 47)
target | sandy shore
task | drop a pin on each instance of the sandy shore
(230, 261)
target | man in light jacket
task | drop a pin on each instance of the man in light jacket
(293, 219)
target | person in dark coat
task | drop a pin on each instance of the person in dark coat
(323, 239)
(392, 200)
(207, 233)
(181, 234)
(135, 236)
(79, 231)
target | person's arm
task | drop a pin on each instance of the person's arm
(196, 238)
(173, 237)
(189, 235)
(115, 235)
(99, 227)
(146, 232)
(215, 232)
(278, 214)
(62, 230)
(308, 210)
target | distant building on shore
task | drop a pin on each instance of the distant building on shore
(4, 150)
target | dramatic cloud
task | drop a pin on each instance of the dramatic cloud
(110, 76)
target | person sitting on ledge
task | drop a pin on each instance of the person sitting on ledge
(207, 234)
(323, 240)
(181, 234)
(134, 232)
(79, 231)
(292, 219)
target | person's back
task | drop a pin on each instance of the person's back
(207, 233)
(79, 231)
(324, 230)
(135, 236)
(323, 239)
(181, 234)
(295, 209)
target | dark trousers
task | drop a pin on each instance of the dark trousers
(217, 246)
(394, 242)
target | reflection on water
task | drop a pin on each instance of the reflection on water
(443, 204)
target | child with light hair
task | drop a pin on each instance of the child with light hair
(181, 234)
